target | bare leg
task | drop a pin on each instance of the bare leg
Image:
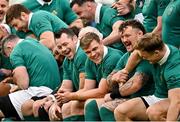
(133, 109)
(27, 108)
(66, 110)
(158, 111)
(77, 108)
(1, 115)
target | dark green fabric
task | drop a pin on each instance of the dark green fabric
(171, 24)
(92, 111)
(106, 114)
(60, 8)
(167, 75)
(75, 118)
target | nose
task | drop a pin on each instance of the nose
(124, 39)
(63, 49)
(93, 54)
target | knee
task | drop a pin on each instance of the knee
(77, 108)
(153, 113)
(90, 103)
(26, 108)
(120, 110)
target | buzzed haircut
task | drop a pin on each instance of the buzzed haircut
(132, 23)
(149, 43)
(7, 39)
(14, 12)
(86, 40)
(79, 2)
(67, 31)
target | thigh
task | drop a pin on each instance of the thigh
(26, 107)
(99, 102)
(77, 107)
(111, 105)
(160, 107)
(134, 109)
(66, 109)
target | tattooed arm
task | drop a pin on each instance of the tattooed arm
(133, 85)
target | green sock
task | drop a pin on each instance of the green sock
(92, 111)
(106, 114)
(31, 118)
(75, 118)
(67, 119)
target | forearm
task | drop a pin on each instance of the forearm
(132, 62)
(48, 43)
(130, 87)
(93, 93)
(158, 28)
(174, 107)
(173, 112)
(111, 39)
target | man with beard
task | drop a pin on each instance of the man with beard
(164, 103)
(137, 82)
(73, 74)
(41, 23)
(101, 61)
(106, 19)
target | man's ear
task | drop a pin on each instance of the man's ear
(23, 15)
(140, 33)
(9, 45)
(157, 52)
(75, 39)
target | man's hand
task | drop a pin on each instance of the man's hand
(107, 98)
(37, 104)
(55, 112)
(64, 97)
(120, 77)
(122, 8)
(5, 72)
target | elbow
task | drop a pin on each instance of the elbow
(23, 86)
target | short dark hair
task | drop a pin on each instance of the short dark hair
(67, 31)
(86, 40)
(14, 11)
(79, 2)
(149, 43)
(134, 24)
(6, 39)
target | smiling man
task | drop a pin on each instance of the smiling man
(4, 5)
(101, 61)
(164, 103)
(41, 23)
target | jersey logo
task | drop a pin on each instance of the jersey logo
(54, 12)
(170, 11)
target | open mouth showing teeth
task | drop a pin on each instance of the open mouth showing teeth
(67, 52)
(127, 44)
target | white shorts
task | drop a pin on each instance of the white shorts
(19, 97)
(152, 99)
